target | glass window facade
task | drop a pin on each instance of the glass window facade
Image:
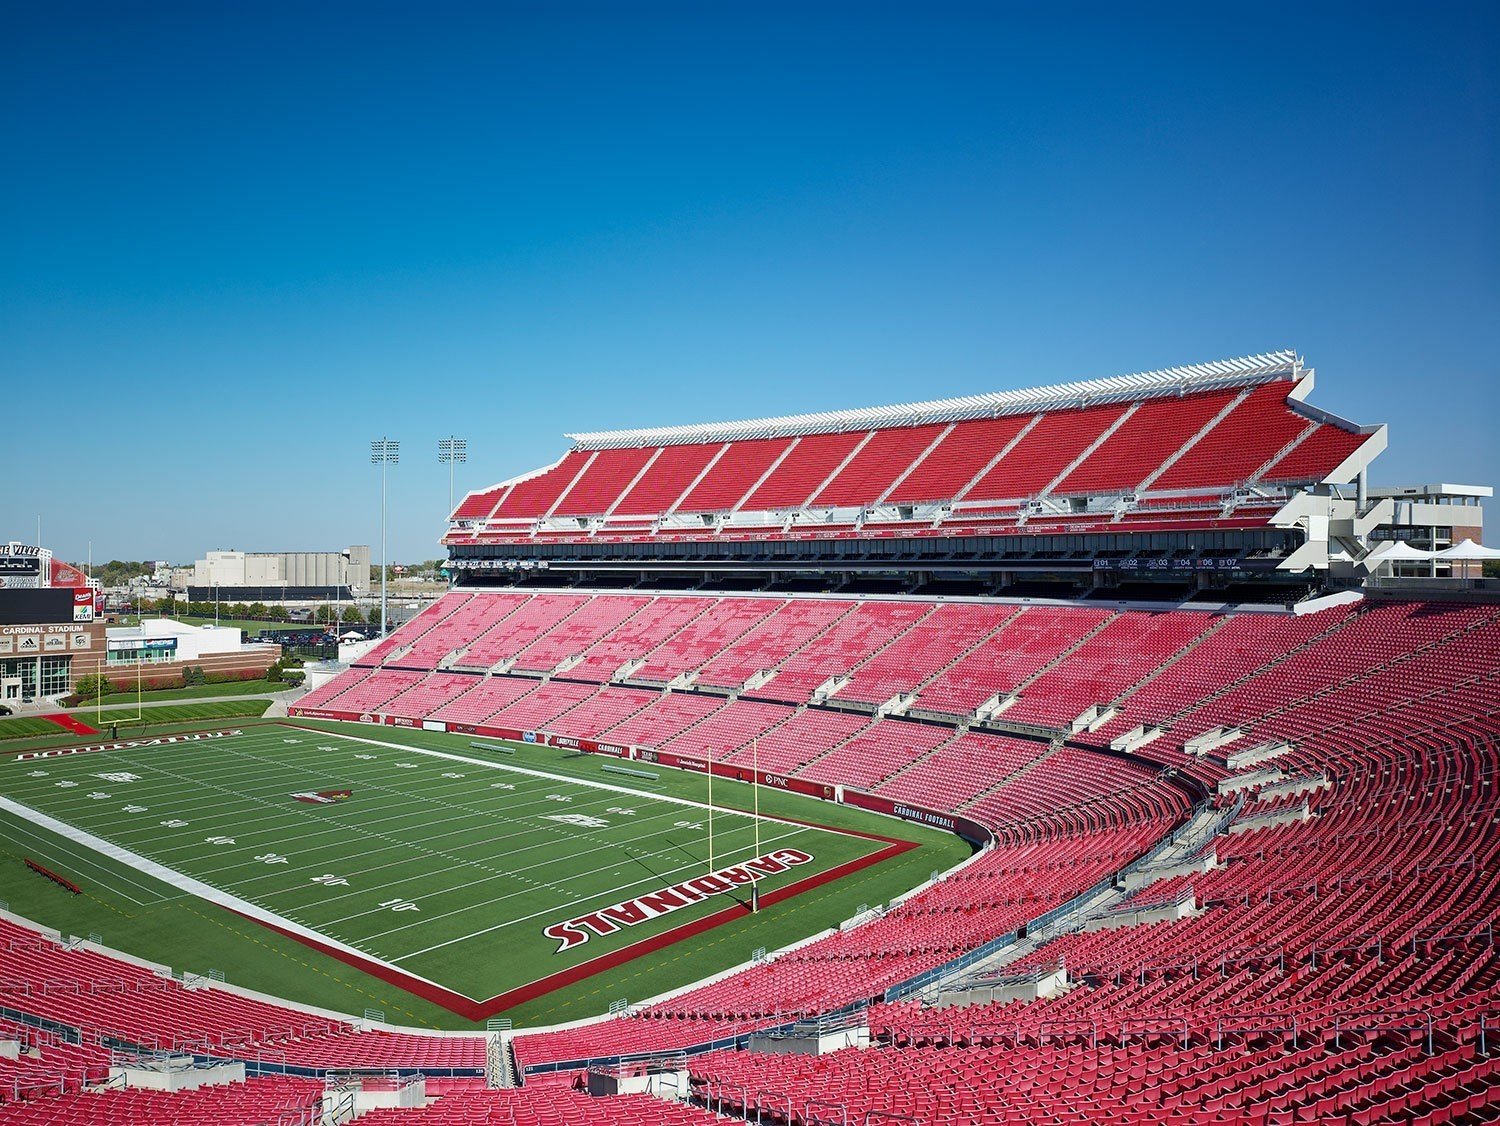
(39, 676)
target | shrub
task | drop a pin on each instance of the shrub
(90, 686)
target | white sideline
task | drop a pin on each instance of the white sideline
(199, 888)
(569, 779)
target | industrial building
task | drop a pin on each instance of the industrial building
(286, 576)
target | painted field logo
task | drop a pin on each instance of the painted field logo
(323, 797)
(644, 908)
(160, 741)
(582, 820)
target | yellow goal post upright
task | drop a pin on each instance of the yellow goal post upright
(755, 811)
(709, 751)
(117, 720)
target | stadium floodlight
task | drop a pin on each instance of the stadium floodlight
(450, 450)
(384, 452)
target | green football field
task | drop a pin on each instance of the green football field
(470, 870)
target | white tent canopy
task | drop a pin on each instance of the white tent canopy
(1467, 551)
(1398, 551)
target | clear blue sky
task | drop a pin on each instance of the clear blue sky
(241, 240)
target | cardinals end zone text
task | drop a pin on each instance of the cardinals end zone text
(644, 908)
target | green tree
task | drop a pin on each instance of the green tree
(91, 687)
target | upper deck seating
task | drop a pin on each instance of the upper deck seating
(933, 474)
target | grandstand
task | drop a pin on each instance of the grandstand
(1233, 810)
(1188, 477)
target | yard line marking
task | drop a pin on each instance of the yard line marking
(360, 825)
(570, 861)
(90, 862)
(481, 861)
(198, 887)
(511, 768)
(500, 874)
(665, 876)
(219, 872)
(419, 797)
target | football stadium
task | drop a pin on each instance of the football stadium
(1119, 749)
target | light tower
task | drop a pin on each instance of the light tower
(451, 449)
(383, 451)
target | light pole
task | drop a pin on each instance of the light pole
(452, 449)
(384, 451)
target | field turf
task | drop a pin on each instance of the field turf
(25, 727)
(432, 858)
(123, 712)
(195, 692)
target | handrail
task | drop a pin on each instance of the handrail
(808, 1119)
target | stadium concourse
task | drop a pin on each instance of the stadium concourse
(1236, 847)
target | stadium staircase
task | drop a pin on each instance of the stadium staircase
(924, 760)
(1015, 775)
(994, 462)
(916, 464)
(845, 678)
(938, 714)
(765, 675)
(1398, 660)
(1088, 451)
(1187, 447)
(692, 721)
(1285, 451)
(990, 711)
(1214, 627)
(1270, 663)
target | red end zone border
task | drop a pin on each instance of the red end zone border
(470, 1009)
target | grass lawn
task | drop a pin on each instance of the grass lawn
(125, 713)
(254, 627)
(196, 692)
(22, 727)
(451, 866)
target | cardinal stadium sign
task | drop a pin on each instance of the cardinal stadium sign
(643, 908)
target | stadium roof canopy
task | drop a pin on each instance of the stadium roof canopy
(1152, 384)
